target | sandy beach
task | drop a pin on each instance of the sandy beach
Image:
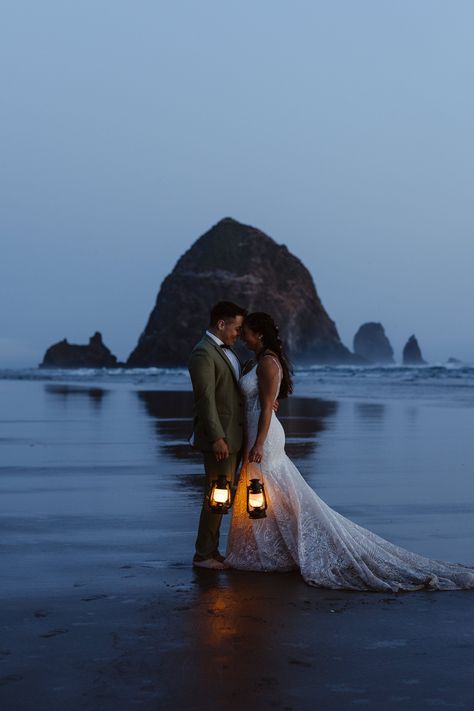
(101, 609)
(172, 638)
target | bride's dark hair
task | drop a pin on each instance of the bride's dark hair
(263, 324)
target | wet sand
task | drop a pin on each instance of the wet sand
(171, 637)
(100, 608)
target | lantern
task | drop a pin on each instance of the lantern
(256, 499)
(220, 498)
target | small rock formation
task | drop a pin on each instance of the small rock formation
(237, 262)
(454, 361)
(69, 355)
(371, 343)
(412, 353)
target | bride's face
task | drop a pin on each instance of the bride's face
(251, 339)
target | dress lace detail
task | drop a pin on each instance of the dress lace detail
(301, 532)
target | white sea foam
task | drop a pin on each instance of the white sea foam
(448, 380)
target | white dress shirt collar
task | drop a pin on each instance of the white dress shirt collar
(215, 338)
(227, 353)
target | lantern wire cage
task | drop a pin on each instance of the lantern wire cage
(220, 495)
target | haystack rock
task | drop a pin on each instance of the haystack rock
(412, 353)
(371, 343)
(69, 355)
(236, 262)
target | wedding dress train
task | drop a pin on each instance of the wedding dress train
(303, 533)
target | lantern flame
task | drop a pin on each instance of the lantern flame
(220, 495)
(256, 500)
(220, 498)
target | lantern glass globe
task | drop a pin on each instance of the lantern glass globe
(220, 495)
(256, 500)
(220, 498)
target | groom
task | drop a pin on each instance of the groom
(218, 417)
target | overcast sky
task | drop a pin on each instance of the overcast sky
(344, 130)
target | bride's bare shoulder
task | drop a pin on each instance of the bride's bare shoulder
(269, 363)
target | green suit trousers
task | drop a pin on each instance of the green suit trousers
(207, 541)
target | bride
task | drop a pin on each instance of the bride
(301, 532)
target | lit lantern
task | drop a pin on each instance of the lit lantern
(256, 499)
(220, 497)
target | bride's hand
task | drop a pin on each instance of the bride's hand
(256, 453)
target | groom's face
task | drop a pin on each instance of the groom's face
(230, 329)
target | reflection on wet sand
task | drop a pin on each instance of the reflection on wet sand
(302, 418)
(374, 411)
(243, 640)
(64, 391)
(168, 404)
(171, 412)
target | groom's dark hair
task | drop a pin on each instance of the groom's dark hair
(225, 310)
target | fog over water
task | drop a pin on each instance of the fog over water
(343, 130)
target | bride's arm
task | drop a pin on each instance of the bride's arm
(268, 375)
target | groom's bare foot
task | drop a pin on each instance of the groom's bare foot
(210, 564)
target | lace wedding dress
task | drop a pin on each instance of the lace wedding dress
(303, 533)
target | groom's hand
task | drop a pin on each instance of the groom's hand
(220, 449)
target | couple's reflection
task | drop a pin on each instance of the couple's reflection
(171, 415)
(302, 418)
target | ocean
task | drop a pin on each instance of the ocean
(443, 380)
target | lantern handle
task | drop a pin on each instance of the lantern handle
(259, 464)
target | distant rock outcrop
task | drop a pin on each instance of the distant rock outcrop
(412, 353)
(69, 355)
(371, 343)
(237, 262)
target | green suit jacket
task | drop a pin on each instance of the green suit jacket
(218, 402)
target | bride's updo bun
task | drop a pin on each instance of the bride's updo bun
(262, 323)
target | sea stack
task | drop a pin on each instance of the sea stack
(237, 262)
(412, 353)
(69, 355)
(371, 343)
